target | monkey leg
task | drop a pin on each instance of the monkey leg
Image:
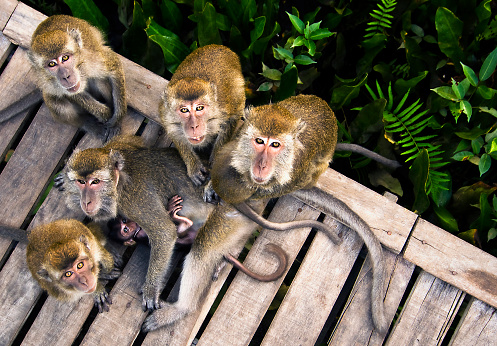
(285, 226)
(337, 209)
(368, 153)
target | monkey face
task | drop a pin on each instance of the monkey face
(80, 276)
(130, 232)
(193, 116)
(63, 69)
(266, 151)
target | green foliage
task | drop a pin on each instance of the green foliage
(86, 9)
(381, 18)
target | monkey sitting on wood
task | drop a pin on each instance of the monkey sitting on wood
(128, 233)
(69, 260)
(202, 104)
(81, 79)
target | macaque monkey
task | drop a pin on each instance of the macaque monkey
(68, 259)
(128, 233)
(82, 80)
(123, 178)
(283, 148)
(202, 104)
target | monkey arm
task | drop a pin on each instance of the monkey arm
(14, 233)
(271, 248)
(337, 209)
(20, 105)
(99, 110)
(285, 226)
(368, 153)
(118, 97)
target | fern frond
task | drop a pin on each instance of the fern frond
(381, 17)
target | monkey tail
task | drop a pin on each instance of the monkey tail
(271, 248)
(368, 153)
(341, 212)
(246, 210)
(17, 234)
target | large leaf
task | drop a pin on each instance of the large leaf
(208, 32)
(449, 29)
(418, 174)
(447, 221)
(297, 23)
(369, 120)
(171, 15)
(87, 10)
(488, 67)
(288, 84)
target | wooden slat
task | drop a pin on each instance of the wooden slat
(478, 326)
(143, 88)
(6, 9)
(355, 325)
(373, 208)
(246, 301)
(5, 48)
(453, 260)
(427, 314)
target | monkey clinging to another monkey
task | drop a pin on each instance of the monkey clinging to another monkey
(82, 80)
(202, 104)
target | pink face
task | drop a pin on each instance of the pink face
(130, 232)
(266, 149)
(193, 115)
(90, 190)
(63, 67)
(80, 276)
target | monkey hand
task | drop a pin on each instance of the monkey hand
(110, 131)
(102, 300)
(151, 299)
(113, 274)
(198, 174)
(164, 317)
(58, 181)
(210, 196)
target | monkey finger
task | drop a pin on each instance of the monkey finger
(58, 181)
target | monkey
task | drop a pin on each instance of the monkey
(69, 260)
(129, 233)
(202, 104)
(135, 182)
(81, 79)
(283, 148)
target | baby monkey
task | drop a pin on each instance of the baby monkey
(128, 233)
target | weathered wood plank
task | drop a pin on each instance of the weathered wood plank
(246, 301)
(453, 260)
(143, 88)
(427, 314)
(6, 9)
(5, 48)
(478, 326)
(372, 207)
(315, 289)
(15, 81)
(355, 325)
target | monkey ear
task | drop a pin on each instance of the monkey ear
(300, 126)
(84, 240)
(43, 273)
(246, 113)
(76, 35)
(117, 159)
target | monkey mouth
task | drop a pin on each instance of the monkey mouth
(196, 140)
(92, 288)
(74, 88)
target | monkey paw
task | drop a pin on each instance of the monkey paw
(198, 175)
(58, 181)
(164, 317)
(151, 299)
(210, 196)
(102, 301)
(113, 274)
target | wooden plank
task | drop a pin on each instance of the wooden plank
(428, 313)
(5, 47)
(478, 326)
(15, 81)
(245, 303)
(373, 208)
(306, 306)
(453, 260)
(6, 9)
(355, 325)
(143, 88)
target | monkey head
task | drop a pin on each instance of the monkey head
(92, 177)
(126, 232)
(191, 111)
(269, 141)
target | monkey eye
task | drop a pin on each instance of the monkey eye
(52, 63)
(80, 265)
(259, 141)
(68, 274)
(199, 108)
(95, 182)
(81, 181)
(124, 220)
(183, 110)
(125, 229)
(65, 57)
(276, 144)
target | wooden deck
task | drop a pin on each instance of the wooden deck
(432, 275)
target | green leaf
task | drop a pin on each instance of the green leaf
(463, 156)
(449, 29)
(320, 34)
(282, 54)
(446, 92)
(311, 46)
(87, 10)
(476, 145)
(458, 89)
(471, 134)
(208, 32)
(493, 146)
(492, 233)
(272, 74)
(470, 75)
(297, 23)
(484, 164)
(259, 24)
(466, 108)
(299, 41)
(447, 220)
(288, 84)
(266, 86)
(418, 174)
(489, 65)
(492, 111)
(303, 60)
